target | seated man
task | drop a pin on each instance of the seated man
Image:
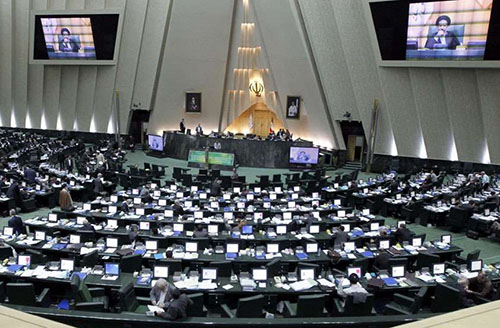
(340, 237)
(161, 293)
(358, 292)
(65, 200)
(17, 223)
(382, 260)
(178, 306)
(463, 287)
(480, 286)
(403, 233)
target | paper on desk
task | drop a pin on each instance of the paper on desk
(327, 283)
(228, 287)
(154, 308)
(351, 256)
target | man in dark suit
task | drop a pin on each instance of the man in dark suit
(17, 223)
(67, 44)
(200, 232)
(98, 186)
(443, 39)
(341, 237)
(178, 306)
(30, 175)
(14, 192)
(403, 233)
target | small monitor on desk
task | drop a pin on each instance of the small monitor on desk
(140, 211)
(277, 189)
(198, 215)
(366, 211)
(228, 215)
(272, 196)
(250, 197)
(191, 246)
(213, 229)
(135, 191)
(398, 271)
(314, 228)
(259, 274)
(157, 193)
(179, 194)
(232, 248)
(112, 269)
(281, 230)
(311, 247)
(80, 220)
(112, 209)
(113, 198)
(39, 235)
(87, 207)
(306, 273)
(341, 214)
(111, 242)
(416, 242)
(291, 204)
(347, 227)
(296, 188)
(168, 213)
(295, 196)
(384, 244)
(236, 190)
(247, 230)
(349, 246)
(226, 196)
(209, 273)
(162, 202)
(438, 268)
(144, 226)
(287, 215)
(194, 188)
(111, 223)
(273, 248)
(446, 239)
(188, 204)
(24, 260)
(137, 200)
(74, 239)
(160, 271)
(398, 196)
(257, 190)
(53, 217)
(337, 202)
(67, 264)
(240, 205)
(214, 204)
(400, 223)
(151, 245)
(374, 226)
(356, 270)
(38, 187)
(203, 195)
(8, 231)
(178, 227)
(475, 265)
(258, 216)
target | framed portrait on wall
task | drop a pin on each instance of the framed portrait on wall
(193, 102)
(293, 107)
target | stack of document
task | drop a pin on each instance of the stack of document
(303, 284)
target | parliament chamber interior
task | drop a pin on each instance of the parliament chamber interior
(240, 163)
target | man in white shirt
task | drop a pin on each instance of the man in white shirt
(358, 292)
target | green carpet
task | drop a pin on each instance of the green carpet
(490, 250)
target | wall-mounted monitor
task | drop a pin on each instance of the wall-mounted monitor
(155, 142)
(445, 33)
(81, 37)
(304, 155)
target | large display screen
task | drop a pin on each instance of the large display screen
(450, 30)
(304, 155)
(80, 38)
(155, 142)
(214, 158)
